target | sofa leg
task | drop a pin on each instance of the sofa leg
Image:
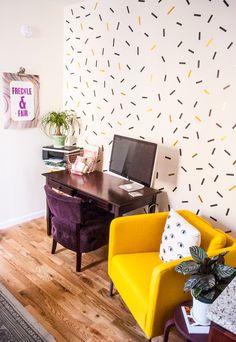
(111, 289)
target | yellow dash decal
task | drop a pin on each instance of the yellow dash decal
(175, 143)
(102, 70)
(232, 188)
(81, 26)
(119, 66)
(119, 123)
(206, 91)
(68, 54)
(139, 20)
(151, 77)
(78, 104)
(189, 73)
(209, 42)
(87, 84)
(197, 117)
(223, 137)
(107, 26)
(170, 10)
(79, 64)
(200, 198)
(149, 110)
(234, 162)
(67, 85)
(96, 5)
(93, 52)
(99, 107)
(194, 155)
(123, 93)
(153, 47)
(170, 118)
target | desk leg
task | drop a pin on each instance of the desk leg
(169, 324)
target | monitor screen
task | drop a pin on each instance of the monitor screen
(133, 159)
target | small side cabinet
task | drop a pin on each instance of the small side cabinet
(219, 334)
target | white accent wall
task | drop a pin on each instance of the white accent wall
(21, 184)
(162, 71)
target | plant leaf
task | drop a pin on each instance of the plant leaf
(206, 282)
(210, 295)
(191, 282)
(187, 267)
(198, 254)
(224, 271)
(196, 292)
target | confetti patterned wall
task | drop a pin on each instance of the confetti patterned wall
(162, 71)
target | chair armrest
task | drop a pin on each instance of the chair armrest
(136, 234)
(166, 293)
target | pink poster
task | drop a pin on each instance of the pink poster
(20, 100)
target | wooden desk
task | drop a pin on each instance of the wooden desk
(100, 188)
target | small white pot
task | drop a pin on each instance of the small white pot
(199, 312)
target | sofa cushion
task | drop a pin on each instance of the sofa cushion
(177, 237)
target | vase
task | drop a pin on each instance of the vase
(199, 312)
(58, 141)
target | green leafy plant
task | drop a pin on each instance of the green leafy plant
(208, 276)
(58, 123)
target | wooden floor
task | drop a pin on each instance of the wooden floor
(71, 306)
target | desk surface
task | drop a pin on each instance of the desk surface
(103, 187)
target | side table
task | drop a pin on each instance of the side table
(179, 322)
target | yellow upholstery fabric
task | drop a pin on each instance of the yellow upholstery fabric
(150, 288)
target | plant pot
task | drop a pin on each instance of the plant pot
(199, 312)
(58, 141)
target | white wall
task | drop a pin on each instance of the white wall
(162, 71)
(21, 183)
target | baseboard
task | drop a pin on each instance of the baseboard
(22, 219)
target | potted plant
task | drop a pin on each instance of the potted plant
(208, 278)
(59, 125)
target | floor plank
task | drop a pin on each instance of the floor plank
(71, 306)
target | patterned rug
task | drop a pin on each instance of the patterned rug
(16, 324)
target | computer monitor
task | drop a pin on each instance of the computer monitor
(133, 159)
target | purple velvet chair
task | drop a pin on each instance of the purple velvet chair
(76, 224)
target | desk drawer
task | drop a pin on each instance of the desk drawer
(61, 188)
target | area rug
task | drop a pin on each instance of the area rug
(16, 324)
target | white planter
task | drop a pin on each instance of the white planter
(199, 312)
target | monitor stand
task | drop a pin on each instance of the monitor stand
(131, 186)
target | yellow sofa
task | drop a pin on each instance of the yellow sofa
(150, 288)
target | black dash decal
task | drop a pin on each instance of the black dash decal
(222, 28)
(210, 18)
(213, 218)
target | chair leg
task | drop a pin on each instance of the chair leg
(54, 246)
(78, 261)
(111, 289)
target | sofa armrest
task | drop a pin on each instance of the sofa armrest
(136, 234)
(166, 293)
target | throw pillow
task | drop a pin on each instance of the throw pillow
(177, 237)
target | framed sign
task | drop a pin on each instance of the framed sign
(20, 100)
